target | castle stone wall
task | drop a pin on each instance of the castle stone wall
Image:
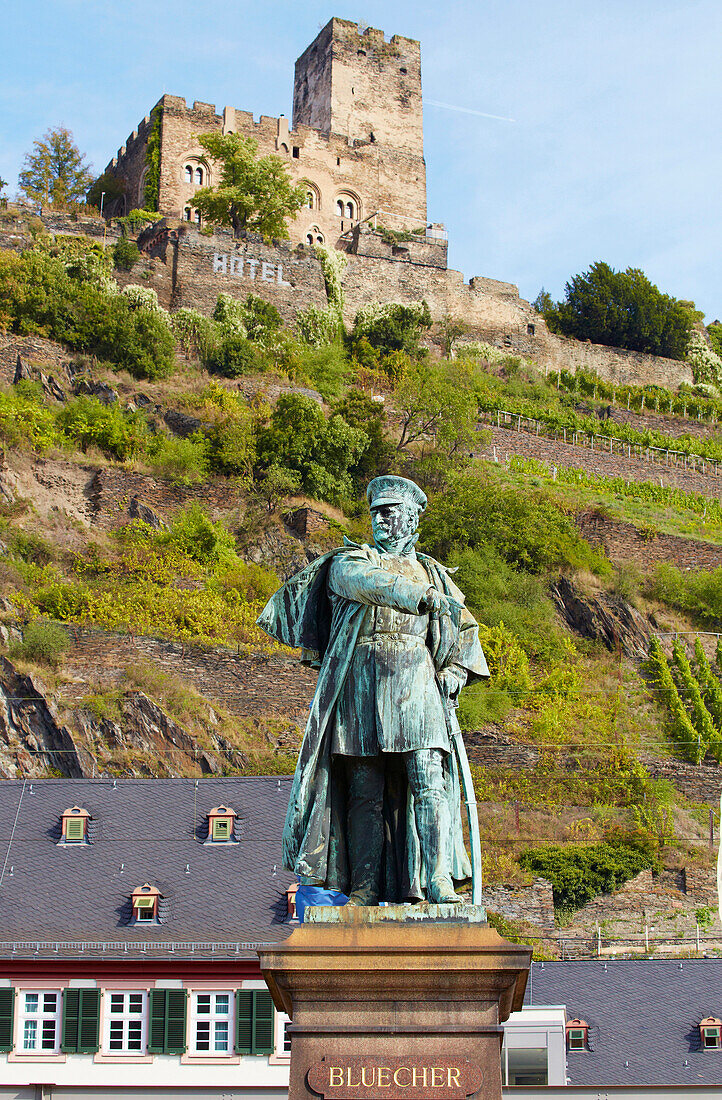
(189, 269)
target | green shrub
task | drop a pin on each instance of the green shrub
(527, 529)
(43, 641)
(323, 368)
(392, 326)
(318, 327)
(578, 874)
(699, 591)
(25, 420)
(300, 438)
(39, 296)
(234, 356)
(183, 461)
(261, 318)
(125, 254)
(118, 434)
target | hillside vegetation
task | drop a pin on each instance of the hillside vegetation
(227, 427)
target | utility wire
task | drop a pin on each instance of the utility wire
(12, 834)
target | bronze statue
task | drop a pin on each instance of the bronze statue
(375, 807)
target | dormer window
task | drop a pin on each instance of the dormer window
(74, 828)
(577, 1035)
(145, 904)
(221, 825)
(710, 1030)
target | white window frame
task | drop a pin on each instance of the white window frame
(212, 1017)
(125, 1017)
(40, 1016)
(280, 1023)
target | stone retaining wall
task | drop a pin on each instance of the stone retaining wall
(625, 542)
(247, 687)
(557, 453)
(113, 489)
(532, 904)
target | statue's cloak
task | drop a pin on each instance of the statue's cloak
(300, 615)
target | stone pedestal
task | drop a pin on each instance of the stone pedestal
(396, 1002)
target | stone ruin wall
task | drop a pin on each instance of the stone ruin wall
(189, 268)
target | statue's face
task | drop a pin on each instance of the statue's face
(393, 524)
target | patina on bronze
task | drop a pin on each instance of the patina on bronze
(375, 808)
(395, 1078)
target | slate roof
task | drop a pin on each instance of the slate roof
(143, 830)
(644, 1018)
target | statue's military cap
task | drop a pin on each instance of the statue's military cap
(390, 489)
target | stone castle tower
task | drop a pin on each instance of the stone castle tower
(356, 141)
(361, 86)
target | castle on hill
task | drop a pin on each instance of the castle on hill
(356, 142)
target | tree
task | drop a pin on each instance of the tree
(622, 309)
(436, 404)
(108, 185)
(300, 438)
(254, 193)
(3, 184)
(276, 485)
(55, 171)
(360, 411)
(544, 303)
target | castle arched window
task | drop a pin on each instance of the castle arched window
(189, 173)
(284, 147)
(314, 235)
(313, 195)
(197, 217)
(187, 214)
(348, 206)
(199, 176)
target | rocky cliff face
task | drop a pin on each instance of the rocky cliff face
(606, 618)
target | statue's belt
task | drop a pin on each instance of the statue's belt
(391, 635)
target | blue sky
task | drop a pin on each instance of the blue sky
(614, 152)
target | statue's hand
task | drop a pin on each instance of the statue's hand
(439, 604)
(451, 681)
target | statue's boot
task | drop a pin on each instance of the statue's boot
(433, 823)
(365, 834)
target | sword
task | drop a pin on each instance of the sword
(467, 783)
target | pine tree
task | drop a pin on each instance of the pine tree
(55, 171)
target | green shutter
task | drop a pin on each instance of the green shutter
(244, 1021)
(71, 1020)
(89, 1027)
(254, 1022)
(7, 999)
(167, 1021)
(156, 1031)
(81, 1021)
(262, 1022)
(175, 1021)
